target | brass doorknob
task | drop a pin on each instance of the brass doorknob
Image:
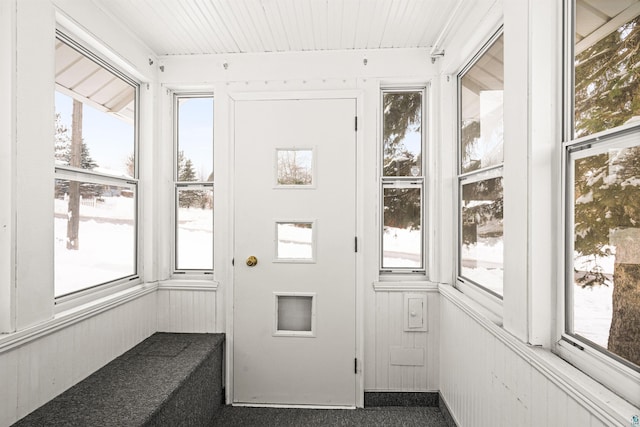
(251, 261)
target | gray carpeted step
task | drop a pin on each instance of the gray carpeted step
(167, 380)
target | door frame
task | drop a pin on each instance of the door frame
(229, 294)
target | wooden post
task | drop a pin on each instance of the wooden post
(75, 160)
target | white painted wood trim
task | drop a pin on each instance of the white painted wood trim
(293, 95)
(421, 286)
(188, 285)
(601, 402)
(74, 316)
(269, 405)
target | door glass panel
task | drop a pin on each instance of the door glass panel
(294, 241)
(294, 166)
(294, 313)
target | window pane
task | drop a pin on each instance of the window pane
(607, 87)
(294, 313)
(294, 240)
(194, 231)
(481, 248)
(195, 139)
(95, 115)
(402, 139)
(402, 234)
(95, 234)
(481, 121)
(295, 167)
(605, 295)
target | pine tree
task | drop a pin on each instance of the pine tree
(607, 186)
(402, 114)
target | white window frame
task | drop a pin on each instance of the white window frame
(487, 297)
(401, 182)
(190, 185)
(66, 172)
(603, 366)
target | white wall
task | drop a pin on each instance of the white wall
(380, 313)
(387, 341)
(183, 307)
(67, 352)
(490, 378)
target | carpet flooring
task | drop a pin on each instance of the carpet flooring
(230, 416)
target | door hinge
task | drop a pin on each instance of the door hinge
(233, 262)
(355, 365)
(356, 243)
(356, 123)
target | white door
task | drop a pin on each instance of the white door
(295, 198)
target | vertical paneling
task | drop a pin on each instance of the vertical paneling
(187, 310)
(41, 369)
(385, 325)
(486, 383)
(204, 27)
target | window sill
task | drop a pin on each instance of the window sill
(405, 286)
(602, 368)
(487, 303)
(188, 284)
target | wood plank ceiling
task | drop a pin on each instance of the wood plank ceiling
(191, 27)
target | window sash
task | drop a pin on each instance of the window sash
(403, 184)
(466, 177)
(66, 172)
(483, 175)
(179, 267)
(597, 362)
(88, 178)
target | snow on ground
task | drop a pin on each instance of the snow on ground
(294, 242)
(107, 252)
(483, 262)
(401, 248)
(195, 239)
(592, 313)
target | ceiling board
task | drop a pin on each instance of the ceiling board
(189, 27)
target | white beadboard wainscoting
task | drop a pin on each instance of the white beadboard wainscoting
(489, 378)
(39, 363)
(187, 307)
(396, 359)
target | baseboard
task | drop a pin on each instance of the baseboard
(400, 398)
(444, 410)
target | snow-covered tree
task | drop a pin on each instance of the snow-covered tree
(607, 186)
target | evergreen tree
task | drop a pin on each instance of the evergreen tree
(607, 186)
(186, 173)
(62, 152)
(402, 114)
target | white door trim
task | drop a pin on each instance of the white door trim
(230, 279)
